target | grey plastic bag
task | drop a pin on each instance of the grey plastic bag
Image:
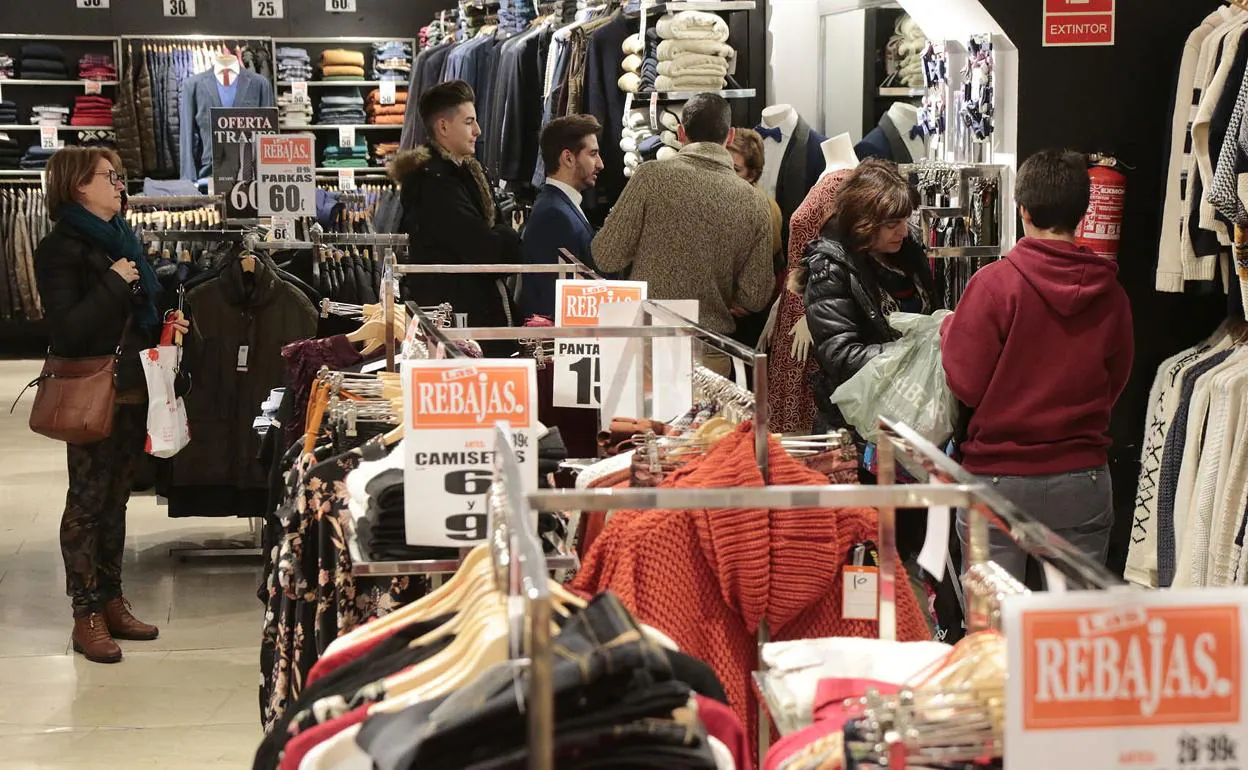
(905, 383)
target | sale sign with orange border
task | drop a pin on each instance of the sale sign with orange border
(577, 362)
(1126, 680)
(450, 408)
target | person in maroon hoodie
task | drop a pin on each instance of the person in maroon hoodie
(1040, 348)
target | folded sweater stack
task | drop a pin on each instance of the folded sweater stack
(43, 61)
(92, 111)
(36, 157)
(387, 114)
(383, 152)
(7, 67)
(338, 110)
(392, 60)
(693, 54)
(355, 156)
(641, 141)
(49, 115)
(338, 64)
(293, 64)
(97, 67)
(8, 113)
(640, 65)
(292, 112)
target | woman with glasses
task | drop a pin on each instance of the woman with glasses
(98, 290)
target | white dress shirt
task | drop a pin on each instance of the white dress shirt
(773, 154)
(573, 194)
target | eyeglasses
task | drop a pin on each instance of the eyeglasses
(113, 177)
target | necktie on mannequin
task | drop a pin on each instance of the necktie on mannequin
(770, 133)
(225, 77)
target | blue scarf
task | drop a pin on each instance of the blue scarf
(118, 240)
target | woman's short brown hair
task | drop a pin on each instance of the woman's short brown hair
(873, 194)
(70, 168)
(749, 145)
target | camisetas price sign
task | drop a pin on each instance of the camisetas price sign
(578, 363)
(451, 408)
(286, 175)
(1147, 681)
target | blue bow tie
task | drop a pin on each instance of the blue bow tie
(770, 133)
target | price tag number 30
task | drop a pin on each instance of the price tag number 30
(179, 7)
(1207, 750)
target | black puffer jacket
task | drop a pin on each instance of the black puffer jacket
(87, 303)
(451, 217)
(844, 309)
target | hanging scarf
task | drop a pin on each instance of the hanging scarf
(118, 240)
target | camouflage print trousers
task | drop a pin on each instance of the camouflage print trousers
(93, 528)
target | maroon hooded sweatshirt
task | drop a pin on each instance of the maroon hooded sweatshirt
(1040, 347)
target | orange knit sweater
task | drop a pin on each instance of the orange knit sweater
(708, 578)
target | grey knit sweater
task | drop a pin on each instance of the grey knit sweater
(692, 229)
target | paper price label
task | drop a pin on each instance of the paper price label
(180, 9)
(346, 136)
(346, 178)
(451, 408)
(93, 87)
(340, 6)
(267, 9)
(1150, 681)
(578, 368)
(47, 137)
(388, 95)
(299, 90)
(286, 178)
(861, 596)
(92, 4)
(282, 229)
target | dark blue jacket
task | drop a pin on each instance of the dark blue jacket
(553, 224)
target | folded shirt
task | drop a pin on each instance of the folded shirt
(42, 51)
(346, 163)
(387, 109)
(290, 53)
(693, 25)
(342, 71)
(30, 67)
(343, 99)
(629, 82)
(339, 56)
(634, 44)
(670, 49)
(694, 65)
(692, 83)
(400, 96)
(631, 63)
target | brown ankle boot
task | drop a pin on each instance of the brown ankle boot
(122, 624)
(91, 638)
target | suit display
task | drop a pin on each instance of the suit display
(799, 170)
(199, 96)
(555, 223)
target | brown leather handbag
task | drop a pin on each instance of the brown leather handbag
(75, 397)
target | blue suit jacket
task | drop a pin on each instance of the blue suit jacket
(199, 96)
(553, 224)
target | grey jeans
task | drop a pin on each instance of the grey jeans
(1078, 506)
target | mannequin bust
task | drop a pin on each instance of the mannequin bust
(906, 116)
(781, 117)
(777, 114)
(226, 67)
(838, 153)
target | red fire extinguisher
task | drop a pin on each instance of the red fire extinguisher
(1101, 228)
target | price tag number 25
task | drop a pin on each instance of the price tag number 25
(469, 527)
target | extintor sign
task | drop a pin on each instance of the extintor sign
(1099, 676)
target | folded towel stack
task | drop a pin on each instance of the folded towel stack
(339, 64)
(355, 156)
(642, 142)
(340, 109)
(387, 114)
(36, 157)
(8, 113)
(383, 152)
(392, 60)
(49, 115)
(97, 67)
(92, 111)
(42, 61)
(293, 64)
(292, 113)
(7, 67)
(693, 54)
(10, 155)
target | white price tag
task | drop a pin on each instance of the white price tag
(861, 597)
(282, 229)
(267, 9)
(578, 368)
(93, 4)
(1116, 679)
(388, 95)
(299, 90)
(93, 87)
(340, 6)
(935, 553)
(346, 136)
(241, 365)
(671, 372)
(179, 8)
(623, 372)
(285, 178)
(451, 408)
(47, 137)
(346, 179)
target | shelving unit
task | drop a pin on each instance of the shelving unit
(58, 128)
(337, 84)
(682, 96)
(6, 82)
(335, 127)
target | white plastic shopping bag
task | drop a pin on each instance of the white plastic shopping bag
(167, 429)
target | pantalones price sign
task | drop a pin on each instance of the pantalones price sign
(578, 366)
(286, 175)
(1110, 679)
(451, 407)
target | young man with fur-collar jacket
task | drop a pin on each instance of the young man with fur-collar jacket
(450, 213)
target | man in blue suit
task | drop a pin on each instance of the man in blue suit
(570, 151)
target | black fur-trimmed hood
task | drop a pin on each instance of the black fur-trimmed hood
(434, 160)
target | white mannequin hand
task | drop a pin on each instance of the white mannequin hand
(801, 340)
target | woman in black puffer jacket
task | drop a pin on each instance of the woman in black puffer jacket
(865, 265)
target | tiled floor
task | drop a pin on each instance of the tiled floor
(186, 700)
